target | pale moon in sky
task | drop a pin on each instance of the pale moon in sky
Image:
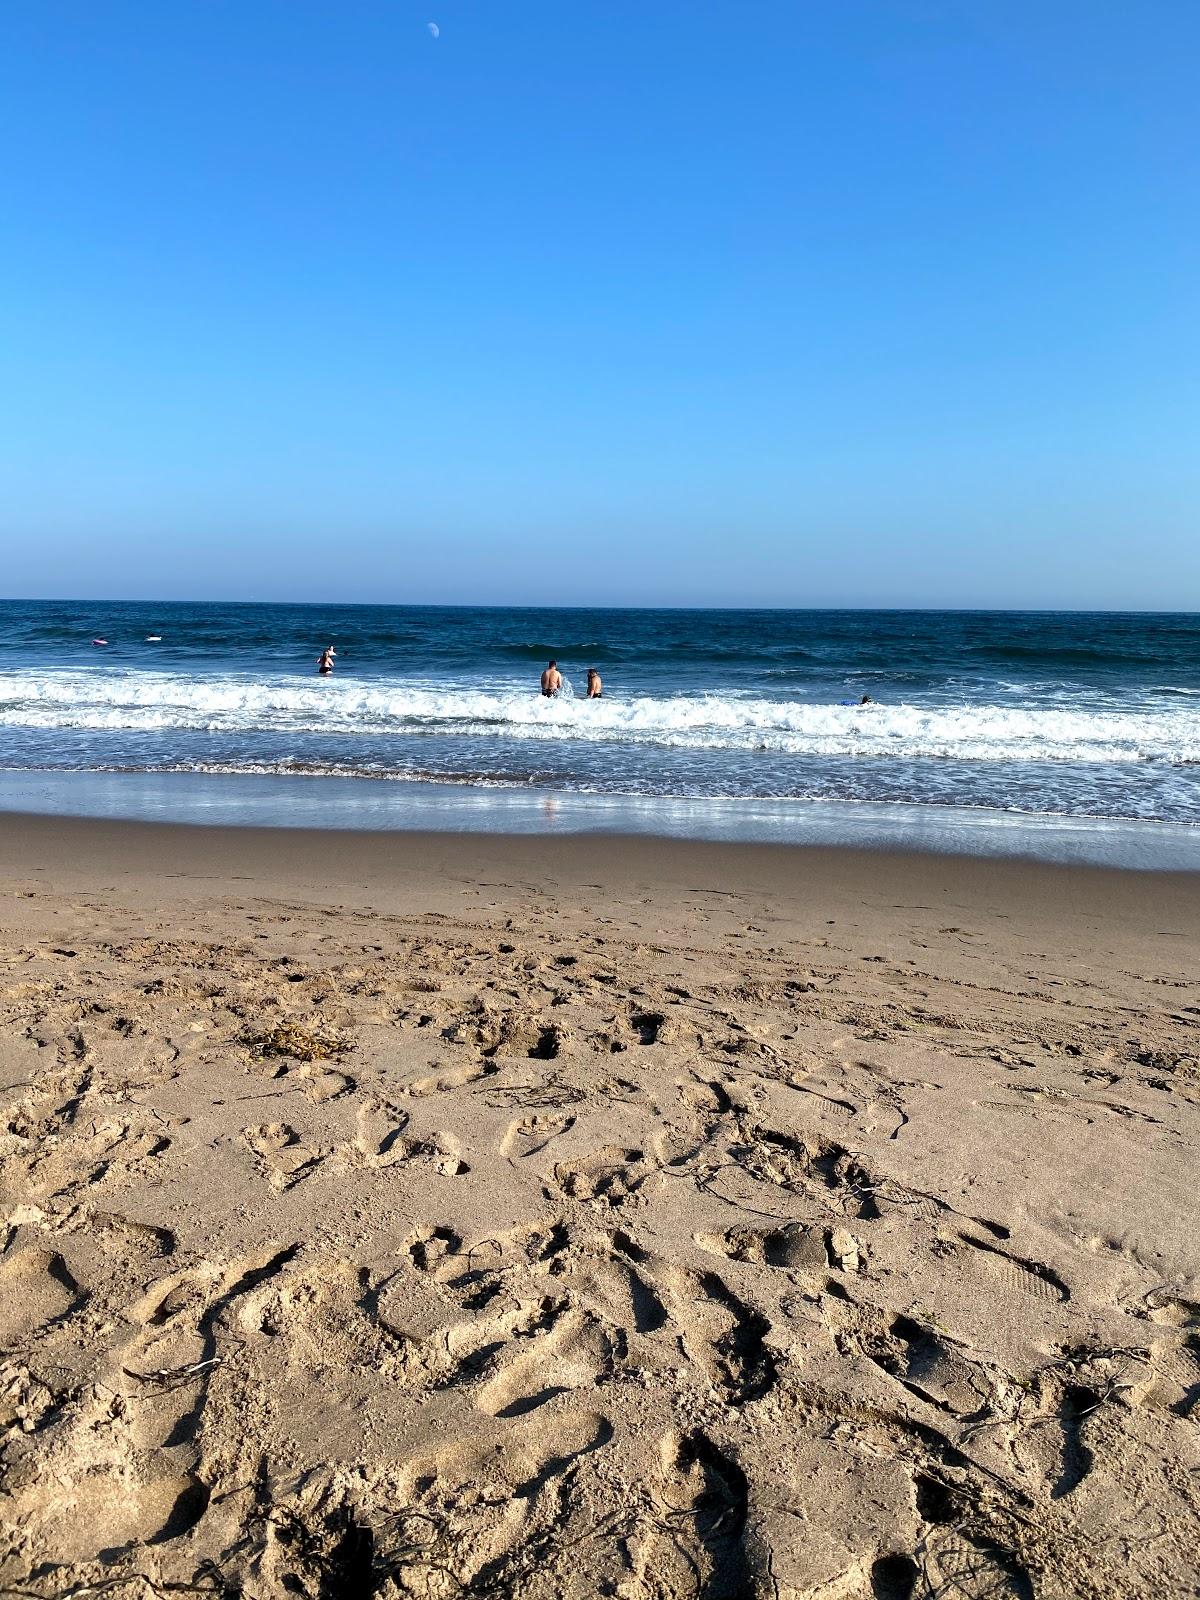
(434, 31)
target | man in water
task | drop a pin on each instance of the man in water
(551, 680)
(595, 686)
(325, 660)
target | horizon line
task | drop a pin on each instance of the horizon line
(461, 605)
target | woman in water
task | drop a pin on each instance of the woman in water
(325, 660)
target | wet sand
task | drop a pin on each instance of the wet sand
(439, 1215)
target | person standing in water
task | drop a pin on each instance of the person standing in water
(325, 660)
(595, 685)
(551, 679)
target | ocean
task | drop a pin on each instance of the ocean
(1040, 715)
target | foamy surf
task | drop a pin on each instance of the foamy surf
(79, 700)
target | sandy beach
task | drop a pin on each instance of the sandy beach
(437, 1215)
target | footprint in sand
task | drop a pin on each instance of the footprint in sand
(378, 1131)
(381, 1142)
(165, 1372)
(694, 1542)
(651, 1027)
(443, 1079)
(36, 1288)
(612, 1274)
(177, 1292)
(931, 1366)
(431, 1248)
(794, 1246)
(66, 1156)
(534, 1452)
(470, 1510)
(527, 1135)
(130, 1237)
(197, 1295)
(132, 1499)
(1171, 1379)
(573, 1353)
(1030, 1277)
(724, 1333)
(706, 1097)
(773, 1156)
(282, 1158)
(1172, 1311)
(322, 1083)
(955, 1565)
(611, 1175)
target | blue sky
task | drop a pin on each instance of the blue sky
(816, 302)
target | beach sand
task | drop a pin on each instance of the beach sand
(438, 1215)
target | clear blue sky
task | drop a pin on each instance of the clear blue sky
(811, 302)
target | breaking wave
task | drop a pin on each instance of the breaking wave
(1152, 729)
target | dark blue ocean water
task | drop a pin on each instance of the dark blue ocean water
(1051, 714)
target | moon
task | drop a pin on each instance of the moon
(434, 31)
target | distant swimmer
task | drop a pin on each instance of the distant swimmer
(325, 660)
(595, 686)
(866, 701)
(551, 680)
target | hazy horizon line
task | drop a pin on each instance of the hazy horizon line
(466, 605)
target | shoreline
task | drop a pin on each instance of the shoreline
(337, 804)
(397, 860)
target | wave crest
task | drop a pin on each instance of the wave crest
(79, 699)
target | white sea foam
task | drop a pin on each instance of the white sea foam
(1154, 729)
